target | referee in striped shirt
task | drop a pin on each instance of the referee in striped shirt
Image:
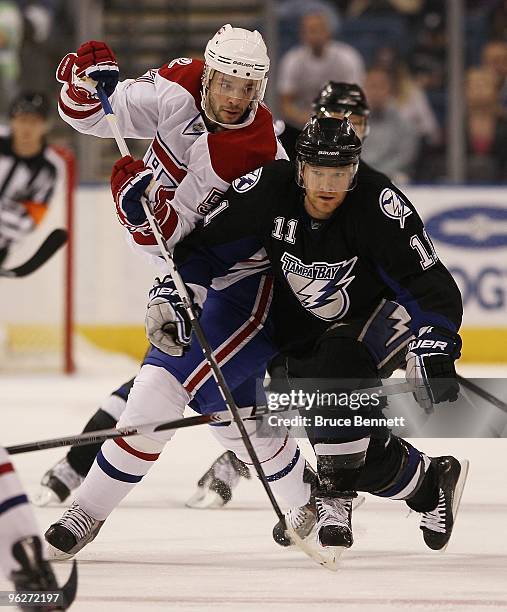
(28, 170)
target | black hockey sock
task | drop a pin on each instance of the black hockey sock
(338, 474)
(81, 458)
(426, 497)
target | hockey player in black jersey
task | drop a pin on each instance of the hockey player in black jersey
(335, 99)
(358, 290)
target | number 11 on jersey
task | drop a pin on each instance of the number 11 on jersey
(278, 232)
(428, 256)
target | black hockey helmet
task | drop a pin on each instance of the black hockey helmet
(341, 97)
(330, 142)
(326, 141)
(30, 102)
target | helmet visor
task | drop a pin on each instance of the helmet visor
(225, 86)
(328, 179)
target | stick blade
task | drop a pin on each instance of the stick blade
(69, 589)
(54, 241)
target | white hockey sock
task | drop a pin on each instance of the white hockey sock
(156, 396)
(114, 405)
(118, 467)
(281, 460)
(17, 520)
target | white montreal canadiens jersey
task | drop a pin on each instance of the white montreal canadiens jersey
(193, 166)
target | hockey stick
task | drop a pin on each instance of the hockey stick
(69, 589)
(99, 436)
(485, 395)
(187, 303)
(52, 243)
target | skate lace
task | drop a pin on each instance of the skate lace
(333, 511)
(297, 517)
(77, 521)
(224, 470)
(435, 520)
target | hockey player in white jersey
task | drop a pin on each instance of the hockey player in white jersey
(204, 136)
(206, 123)
(208, 127)
(21, 556)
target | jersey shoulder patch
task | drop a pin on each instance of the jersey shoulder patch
(247, 181)
(393, 205)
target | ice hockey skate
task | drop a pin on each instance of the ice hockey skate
(333, 526)
(214, 488)
(36, 574)
(326, 536)
(71, 533)
(437, 525)
(303, 521)
(57, 484)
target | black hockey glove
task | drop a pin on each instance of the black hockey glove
(430, 366)
(167, 324)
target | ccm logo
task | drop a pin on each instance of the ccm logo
(428, 344)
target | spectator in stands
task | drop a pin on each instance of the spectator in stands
(36, 62)
(486, 128)
(391, 146)
(11, 36)
(428, 61)
(355, 8)
(411, 99)
(494, 58)
(316, 60)
(289, 14)
(498, 21)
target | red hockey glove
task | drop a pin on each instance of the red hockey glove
(94, 60)
(129, 180)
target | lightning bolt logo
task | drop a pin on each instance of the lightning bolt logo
(401, 320)
(320, 287)
(394, 207)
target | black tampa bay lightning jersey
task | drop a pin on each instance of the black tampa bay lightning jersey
(373, 247)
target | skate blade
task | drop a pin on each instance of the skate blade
(458, 492)
(44, 496)
(327, 557)
(358, 501)
(204, 499)
(54, 554)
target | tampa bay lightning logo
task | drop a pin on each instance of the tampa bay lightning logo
(246, 182)
(320, 287)
(394, 207)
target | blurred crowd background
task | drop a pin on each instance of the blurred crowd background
(434, 72)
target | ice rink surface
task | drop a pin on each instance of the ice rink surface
(155, 554)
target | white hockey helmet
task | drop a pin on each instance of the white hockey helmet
(241, 54)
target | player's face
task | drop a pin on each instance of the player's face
(230, 96)
(326, 188)
(28, 130)
(359, 122)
